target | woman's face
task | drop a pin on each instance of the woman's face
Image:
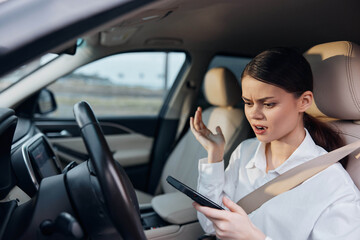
(273, 113)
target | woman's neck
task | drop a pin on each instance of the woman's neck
(278, 151)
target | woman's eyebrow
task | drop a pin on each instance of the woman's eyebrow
(260, 100)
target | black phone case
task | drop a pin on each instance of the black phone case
(194, 195)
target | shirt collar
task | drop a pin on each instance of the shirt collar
(305, 152)
(259, 158)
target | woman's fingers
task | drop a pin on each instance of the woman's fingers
(197, 120)
(226, 223)
(219, 214)
(219, 132)
(206, 138)
(233, 207)
(192, 127)
(199, 111)
(210, 213)
(197, 133)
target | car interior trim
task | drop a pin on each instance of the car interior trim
(28, 165)
(17, 194)
(27, 158)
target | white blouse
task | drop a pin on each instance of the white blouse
(326, 206)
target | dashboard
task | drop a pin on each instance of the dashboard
(33, 161)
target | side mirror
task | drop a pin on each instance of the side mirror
(46, 102)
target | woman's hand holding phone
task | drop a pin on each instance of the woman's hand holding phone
(232, 224)
(213, 143)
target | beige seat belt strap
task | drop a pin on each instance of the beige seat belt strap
(294, 177)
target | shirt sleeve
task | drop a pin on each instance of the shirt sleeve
(215, 183)
(340, 221)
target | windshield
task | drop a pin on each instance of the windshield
(24, 70)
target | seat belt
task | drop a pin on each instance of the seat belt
(294, 177)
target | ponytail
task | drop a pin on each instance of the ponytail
(324, 135)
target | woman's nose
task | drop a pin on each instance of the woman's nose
(256, 113)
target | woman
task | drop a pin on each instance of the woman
(277, 90)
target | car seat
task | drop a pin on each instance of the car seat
(223, 91)
(336, 72)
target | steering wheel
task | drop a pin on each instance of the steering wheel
(119, 194)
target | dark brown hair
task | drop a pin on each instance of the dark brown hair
(289, 70)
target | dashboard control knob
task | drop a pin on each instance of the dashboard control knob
(65, 224)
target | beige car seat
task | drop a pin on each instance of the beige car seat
(222, 90)
(336, 71)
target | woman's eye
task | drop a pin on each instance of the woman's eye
(269, 105)
(247, 103)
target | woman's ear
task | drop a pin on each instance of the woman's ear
(305, 101)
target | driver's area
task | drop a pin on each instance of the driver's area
(73, 203)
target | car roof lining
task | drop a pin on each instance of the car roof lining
(207, 27)
(243, 27)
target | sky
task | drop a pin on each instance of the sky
(136, 69)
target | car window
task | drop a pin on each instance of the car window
(15, 76)
(234, 63)
(126, 84)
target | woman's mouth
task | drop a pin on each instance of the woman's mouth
(259, 129)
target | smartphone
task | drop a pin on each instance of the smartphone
(194, 195)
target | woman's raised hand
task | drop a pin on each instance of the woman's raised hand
(213, 143)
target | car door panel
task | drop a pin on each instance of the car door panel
(128, 149)
(130, 139)
(52, 128)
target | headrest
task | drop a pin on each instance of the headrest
(221, 87)
(336, 71)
